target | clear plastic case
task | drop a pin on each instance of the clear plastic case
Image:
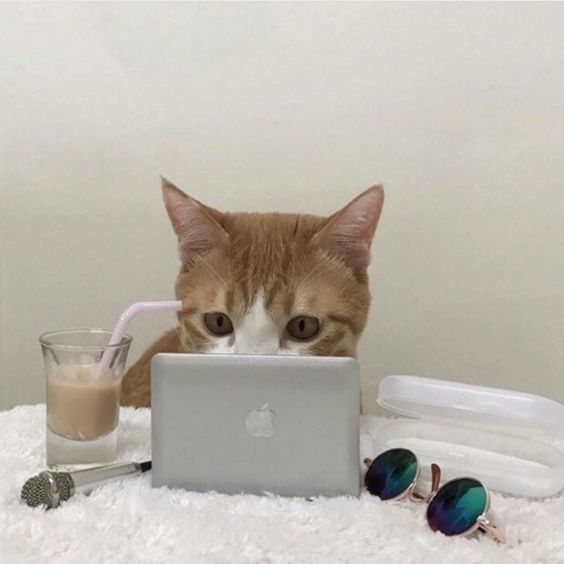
(512, 441)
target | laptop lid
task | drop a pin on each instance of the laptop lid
(286, 425)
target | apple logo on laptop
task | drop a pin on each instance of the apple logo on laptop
(260, 421)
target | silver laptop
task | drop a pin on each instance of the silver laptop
(285, 425)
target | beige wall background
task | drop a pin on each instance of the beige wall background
(457, 108)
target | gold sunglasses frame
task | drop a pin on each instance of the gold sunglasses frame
(482, 524)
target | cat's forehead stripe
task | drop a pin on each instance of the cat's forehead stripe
(257, 331)
(229, 298)
(289, 302)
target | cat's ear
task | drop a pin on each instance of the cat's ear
(349, 232)
(196, 225)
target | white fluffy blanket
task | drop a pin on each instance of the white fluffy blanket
(129, 522)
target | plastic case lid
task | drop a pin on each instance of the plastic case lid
(513, 412)
(499, 436)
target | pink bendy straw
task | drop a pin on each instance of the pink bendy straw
(133, 311)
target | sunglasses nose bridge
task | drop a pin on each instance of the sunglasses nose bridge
(435, 478)
(417, 497)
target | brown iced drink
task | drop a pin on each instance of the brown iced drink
(81, 403)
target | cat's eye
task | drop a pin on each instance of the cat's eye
(218, 323)
(303, 327)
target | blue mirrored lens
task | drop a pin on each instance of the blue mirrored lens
(456, 506)
(391, 473)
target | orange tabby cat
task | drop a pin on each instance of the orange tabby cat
(265, 283)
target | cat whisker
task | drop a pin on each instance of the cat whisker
(315, 273)
(181, 339)
(202, 259)
(308, 276)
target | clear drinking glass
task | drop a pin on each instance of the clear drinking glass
(82, 400)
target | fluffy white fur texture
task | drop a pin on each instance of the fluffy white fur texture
(129, 522)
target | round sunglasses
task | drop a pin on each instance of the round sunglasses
(458, 507)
